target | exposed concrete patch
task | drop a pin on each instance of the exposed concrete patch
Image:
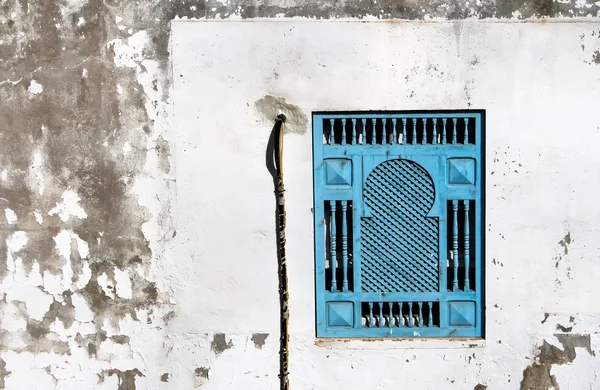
(596, 57)
(480, 387)
(537, 376)
(201, 376)
(126, 378)
(259, 339)
(3, 373)
(270, 106)
(219, 345)
(165, 377)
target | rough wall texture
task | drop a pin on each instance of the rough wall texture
(86, 180)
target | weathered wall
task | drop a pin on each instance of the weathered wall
(99, 288)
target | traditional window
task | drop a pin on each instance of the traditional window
(399, 224)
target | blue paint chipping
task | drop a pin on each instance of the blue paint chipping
(399, 228)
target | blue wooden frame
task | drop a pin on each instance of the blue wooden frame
(460, 313)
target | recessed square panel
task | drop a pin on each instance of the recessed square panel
(338, 172)
(462, 313)
(461, 171)
(340, 314)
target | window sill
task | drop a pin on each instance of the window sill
(387, 344)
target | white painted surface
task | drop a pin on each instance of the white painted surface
(541, 92)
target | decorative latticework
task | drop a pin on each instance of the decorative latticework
(399, 242)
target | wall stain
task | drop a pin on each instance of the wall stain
(564, 243)
(480, 387)
(270, 106)
(219, 345)
(259, 339)
(126, 378)
(537, 375)
(165, 377)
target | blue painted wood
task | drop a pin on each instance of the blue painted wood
(403, 140)
(333, 244)
(430, 319)
(467, 245)
(444, 130)
(432, 311)
(373, 132)
(363, 133)
(332, 134)
(343, 132)
(345, 245)
(455, 243)
(454, 131)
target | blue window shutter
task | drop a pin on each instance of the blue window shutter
(399, 224)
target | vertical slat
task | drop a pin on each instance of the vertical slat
(467, 246)
(424, 133)
(363, 133)
(414, 131)
(429, 323)
(384, 139)
(332, 203)
(343, 132)
(403, 140)
(345, 245)
(410, 314)
(455, 243)
(435, 132)
(373, 131)
(454, 131)
(466, 140)
(380, 314)
(391, 320)
(444, 130)
(353, 131)
(401, 316)
(420, 314)
(393, 131)
(370, 314)
(332, 133)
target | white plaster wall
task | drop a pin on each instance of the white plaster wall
(541, 90)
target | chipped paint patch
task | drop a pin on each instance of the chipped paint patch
(538, 375)
(219, 344)
(259, 339)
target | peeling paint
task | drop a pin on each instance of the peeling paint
(126, 378)
(3, 373)
(259, 339)
(219, 344)
(537, 376)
